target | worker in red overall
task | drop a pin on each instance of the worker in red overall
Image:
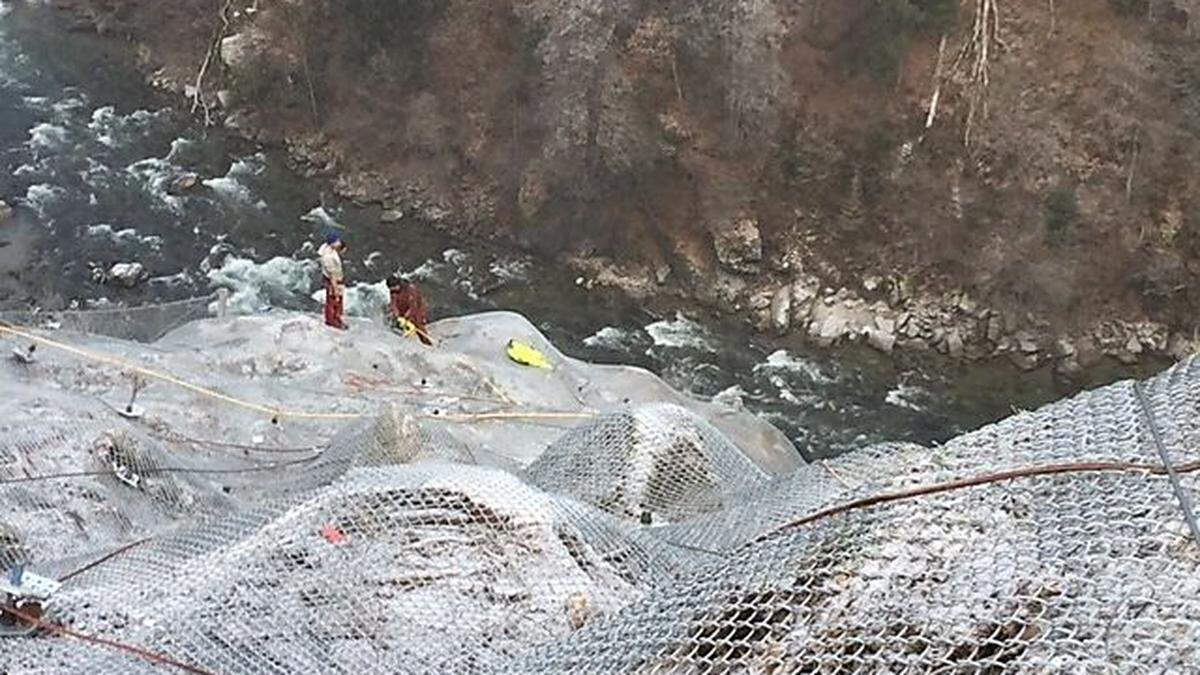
(407, 308)
(330, 255)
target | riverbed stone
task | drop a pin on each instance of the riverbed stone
(884, 341)
(391, 216)
(182, 184)
(781, 310)
(738, 245)
(955, 346)
(1131, 353)
(127, 274)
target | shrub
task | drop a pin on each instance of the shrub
(882, 39)
(1060, 212)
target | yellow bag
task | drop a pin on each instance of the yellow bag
(406, 327)
(525, 355)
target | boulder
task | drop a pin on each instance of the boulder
(236, 50)
(882, 340)
(1131, 353)
(1024, 360)
(995, 329)
(739, 245)
(781, 310)
(391, 216)
(127, 274)
(803, 295)
(182, 183)
(1064, 348)
(1180, 347)
(955, 346)
(6, 211)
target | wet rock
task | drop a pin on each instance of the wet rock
(391, 216)
(182, 184)
(739, 245)
(127, 274)
(872, 284)
(781, 310)
(6, 211)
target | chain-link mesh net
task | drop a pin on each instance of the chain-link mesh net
(640, 541)
(145, 323)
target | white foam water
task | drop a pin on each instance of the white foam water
(783, 360)
(681, 333)
(46, 136)
(256, 287)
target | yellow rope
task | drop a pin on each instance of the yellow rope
(483, 417)
(269, 410)
(164, 377)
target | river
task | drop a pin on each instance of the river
(87, 152)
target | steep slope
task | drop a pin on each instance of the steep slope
(755, 154)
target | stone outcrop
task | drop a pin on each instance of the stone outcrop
(738, 245)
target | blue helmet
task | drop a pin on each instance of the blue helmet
(333, 238)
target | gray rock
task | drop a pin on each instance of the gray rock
(224, 97)
(781, 310)
(1024, 360)
(236, 49)
(882, 340)
(127, 274)
(1064, 348)
(739, 245)
(955, 345)
(803, 296)
(661, 274)
(1027, 343)
(1132, 351)
(391, 216)
(995, 329)
(6, 211)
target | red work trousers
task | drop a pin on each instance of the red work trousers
(333, 304)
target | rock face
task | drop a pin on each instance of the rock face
(739, 245)
(127, 274)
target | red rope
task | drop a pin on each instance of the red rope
(1024, 472)
(153, 657)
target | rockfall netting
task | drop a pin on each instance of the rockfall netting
(641, 541)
